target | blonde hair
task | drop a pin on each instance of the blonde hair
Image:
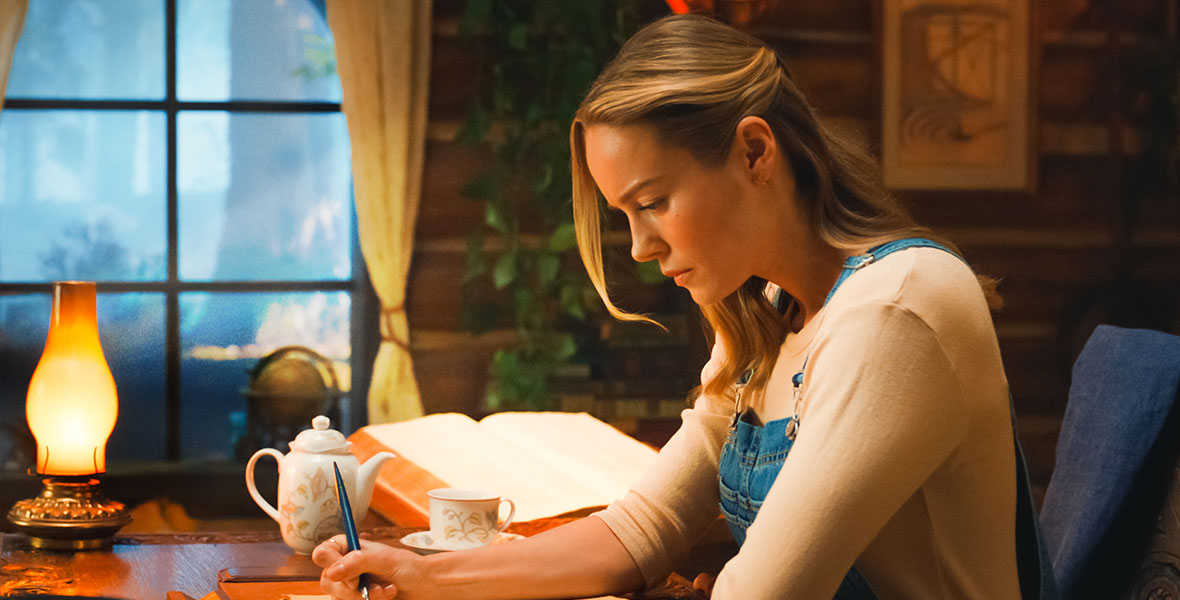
(691, 79)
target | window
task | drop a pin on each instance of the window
(191, 157)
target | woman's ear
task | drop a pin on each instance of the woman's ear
(756, 145)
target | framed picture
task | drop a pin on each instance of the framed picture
(956, 98)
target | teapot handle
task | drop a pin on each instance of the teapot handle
(258, 499)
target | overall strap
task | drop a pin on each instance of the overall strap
(853, 264)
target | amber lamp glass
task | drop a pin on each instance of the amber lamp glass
(72, 403)
(71, 408)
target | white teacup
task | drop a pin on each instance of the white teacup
(461, 519)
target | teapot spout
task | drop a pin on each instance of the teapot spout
(366, 478)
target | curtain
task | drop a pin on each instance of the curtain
(12, 19)
(383, 59)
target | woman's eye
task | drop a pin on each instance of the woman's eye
(651, 205)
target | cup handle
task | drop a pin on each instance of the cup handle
(250, 486)
(511, 513)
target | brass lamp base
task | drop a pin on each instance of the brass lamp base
(69, 514)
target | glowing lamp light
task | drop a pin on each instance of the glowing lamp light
(681, 7)
(72, 403)
(742, 14)
(71, 408)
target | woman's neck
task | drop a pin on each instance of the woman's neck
(807, 270)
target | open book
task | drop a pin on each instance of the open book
(548, 463)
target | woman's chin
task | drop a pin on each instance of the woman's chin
(704, 297)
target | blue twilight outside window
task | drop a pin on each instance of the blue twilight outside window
(213, 206)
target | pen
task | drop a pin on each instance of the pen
(354, 542)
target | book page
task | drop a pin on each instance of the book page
(578, 445)
(459, 451)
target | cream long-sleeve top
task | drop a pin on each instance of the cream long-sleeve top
(903, 464)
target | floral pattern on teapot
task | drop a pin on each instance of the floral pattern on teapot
(316, 493)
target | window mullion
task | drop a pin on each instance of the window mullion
(172, 292)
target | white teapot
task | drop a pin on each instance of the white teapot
(309, 512)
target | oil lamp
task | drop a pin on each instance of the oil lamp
(71, 410)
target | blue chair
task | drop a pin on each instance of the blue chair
(1115, 458)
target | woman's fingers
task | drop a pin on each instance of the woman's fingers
(329, 551)
(350, 566)
(373, 557)
(340, 590)
(342, 570)
(382, 592)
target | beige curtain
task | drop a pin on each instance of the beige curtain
(12, 19)
(383, 58)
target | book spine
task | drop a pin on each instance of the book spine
(399, 494)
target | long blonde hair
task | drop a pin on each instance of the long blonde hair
(691, 79)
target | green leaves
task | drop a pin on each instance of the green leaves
(536, 58)
(518, 36)
(495, 218)
(519, 376)
(476, 14)
(563, 239)
(649, 272)
(475, 127)
(572, 301)
(547, 266)
(505, 271)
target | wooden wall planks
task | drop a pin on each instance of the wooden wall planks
(1052, 249)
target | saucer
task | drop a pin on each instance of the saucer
(422, 543)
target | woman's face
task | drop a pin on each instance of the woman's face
(697, 221)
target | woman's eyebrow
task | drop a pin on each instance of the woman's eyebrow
(625, 197)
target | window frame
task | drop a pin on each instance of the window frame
(364, 305)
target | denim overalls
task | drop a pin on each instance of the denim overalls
(754, 454)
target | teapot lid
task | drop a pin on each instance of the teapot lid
(319, 439)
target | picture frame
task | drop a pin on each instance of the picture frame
(957, 95)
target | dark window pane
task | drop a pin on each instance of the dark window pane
(82, 195)
(24, 321)
(222, 337)
(255, 51)
(131, 327)
(264, 196)
(90, 49)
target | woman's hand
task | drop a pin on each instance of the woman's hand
(392, 572)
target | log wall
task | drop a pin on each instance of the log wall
(1054, 248)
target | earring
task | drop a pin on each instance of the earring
(762, 180)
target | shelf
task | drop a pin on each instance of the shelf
(1100, 40)
(836, 37)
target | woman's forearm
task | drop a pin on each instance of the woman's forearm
(577, 560)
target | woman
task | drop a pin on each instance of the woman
(853, 421)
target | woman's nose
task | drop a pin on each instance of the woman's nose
(645, 244)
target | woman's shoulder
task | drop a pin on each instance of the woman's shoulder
(936, 286)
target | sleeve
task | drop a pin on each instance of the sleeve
(663, 515)
(882, 409)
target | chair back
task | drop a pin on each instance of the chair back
(1115, 457)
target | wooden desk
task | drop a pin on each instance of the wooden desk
(148, 566)
(139, 566)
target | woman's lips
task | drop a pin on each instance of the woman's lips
(679, 276)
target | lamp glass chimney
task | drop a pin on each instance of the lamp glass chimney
(72, 403)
